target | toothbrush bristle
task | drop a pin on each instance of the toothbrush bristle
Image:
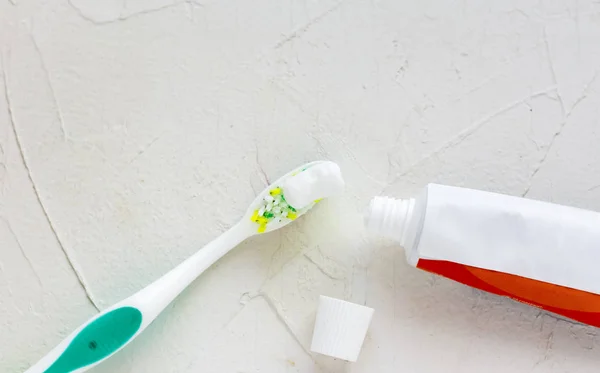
(273, 208)
(273, 211)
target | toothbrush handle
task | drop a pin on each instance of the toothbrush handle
(155, 297)
(111, 330)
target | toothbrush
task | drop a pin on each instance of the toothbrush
(111, 330)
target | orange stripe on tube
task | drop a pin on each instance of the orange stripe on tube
(575, 304)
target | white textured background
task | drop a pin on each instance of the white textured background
(134, 131)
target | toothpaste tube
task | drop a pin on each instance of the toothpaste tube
(538, 253)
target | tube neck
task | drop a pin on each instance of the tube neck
(390, 217)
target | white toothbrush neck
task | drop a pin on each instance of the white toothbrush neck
(153, 299)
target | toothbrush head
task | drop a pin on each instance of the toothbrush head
(270, 210)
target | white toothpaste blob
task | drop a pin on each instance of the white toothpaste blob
(319, 181)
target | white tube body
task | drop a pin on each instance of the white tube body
(537, 240)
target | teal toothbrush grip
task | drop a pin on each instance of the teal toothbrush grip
(98, 340)
(107, 333)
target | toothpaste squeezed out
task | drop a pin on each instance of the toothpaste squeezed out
(319, 181)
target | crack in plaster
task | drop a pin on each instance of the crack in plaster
(567, 115)
(122, 18)
(143, 150)
(51, 86)
(13, 125)
(280, 317)
(265, 178)
(23, 252)
(469, 131)
(324, 269)
(299, 32)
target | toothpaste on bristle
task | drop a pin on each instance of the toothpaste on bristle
(319, 181)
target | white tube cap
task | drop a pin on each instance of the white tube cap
(340, 328)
